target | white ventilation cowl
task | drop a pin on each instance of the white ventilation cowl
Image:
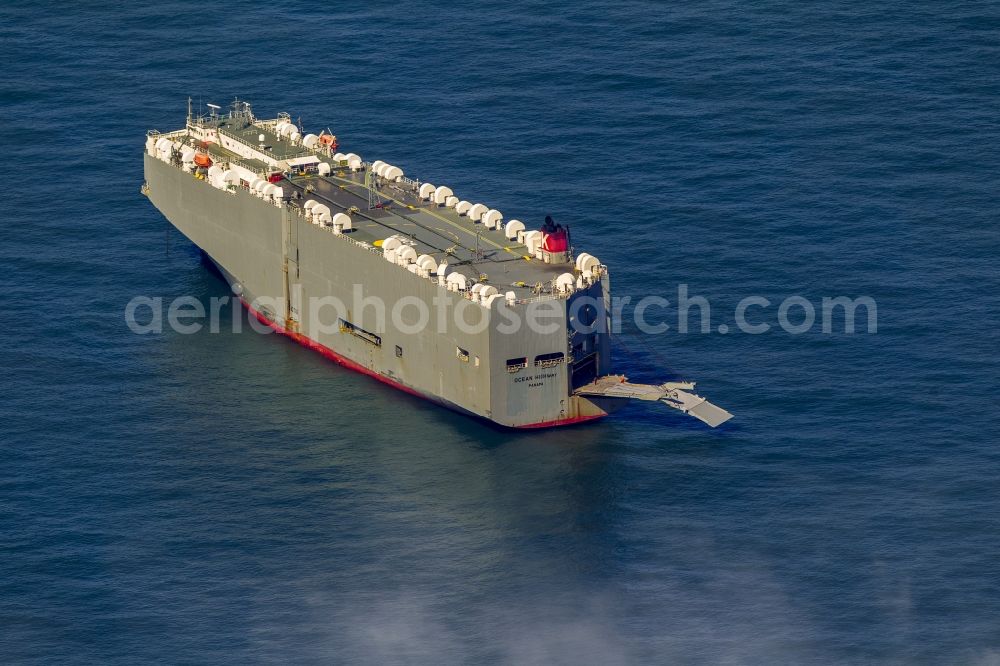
(353, 161)
(405, 254)
(533, 241)
(442, 272)
(477, 211)
(341, 222)
(456, 282)
(492, 218)
(587, 263)
(511, 228)
(427, 262)
(441, 194)
(426, 191)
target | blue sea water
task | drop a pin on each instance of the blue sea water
(234, 498)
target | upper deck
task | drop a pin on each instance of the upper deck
(382, 207)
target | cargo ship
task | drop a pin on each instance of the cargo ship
(396, 278)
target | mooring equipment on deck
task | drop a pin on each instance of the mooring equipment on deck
(672, 394)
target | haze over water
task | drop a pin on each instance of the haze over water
(235, 498)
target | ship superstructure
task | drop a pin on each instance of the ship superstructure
(339, 253)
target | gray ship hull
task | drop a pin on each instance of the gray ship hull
(283, 265)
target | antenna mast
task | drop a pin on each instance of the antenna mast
(374, 199)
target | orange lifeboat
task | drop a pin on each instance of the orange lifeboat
(328, 140)
(202, 160)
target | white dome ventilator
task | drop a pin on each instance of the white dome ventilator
(533, 241)
(587, 263)
(426, 191)
(341, 222)
(565, 283)
(511, 228)
(353, 161)
(456, 282)
(486, 293)
(491, 218)
(441, 194)
(477, 211)
(391, 243)
(405, 255)
(426, 262)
